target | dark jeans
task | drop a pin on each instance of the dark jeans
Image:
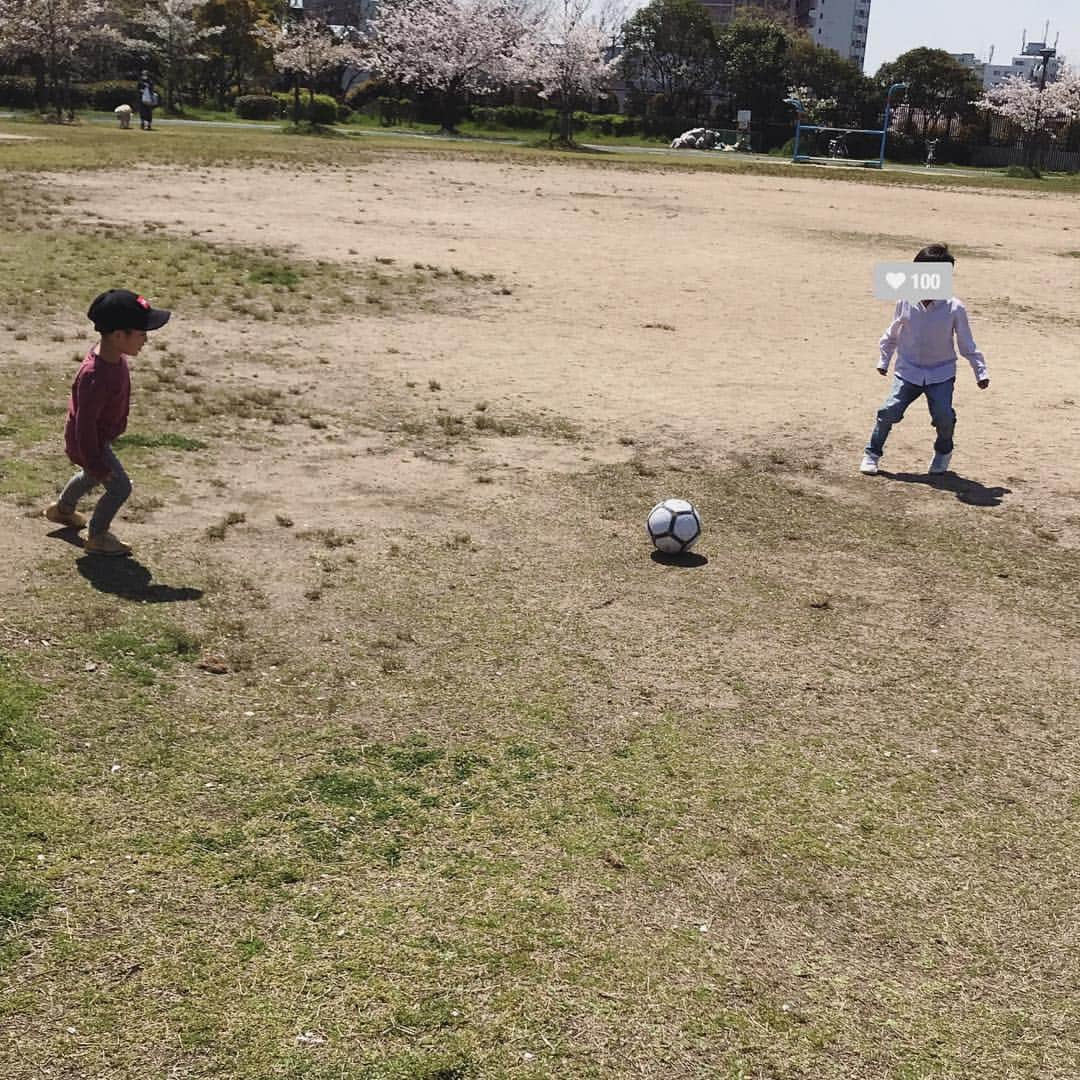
(902, 393)
(146, 115)
(117, 489)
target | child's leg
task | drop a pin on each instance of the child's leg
(117, 489)
(939, 397)
(82, 483)
(901, 395)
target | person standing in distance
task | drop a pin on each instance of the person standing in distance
(148, 101)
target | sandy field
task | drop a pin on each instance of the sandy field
(724, 313)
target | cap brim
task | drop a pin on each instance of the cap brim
(156, 318)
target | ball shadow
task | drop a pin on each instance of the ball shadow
(130, 580)
(967, 491)
(684, 559)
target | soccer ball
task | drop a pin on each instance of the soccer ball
(674, 526)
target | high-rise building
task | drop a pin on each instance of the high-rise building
(840, 25)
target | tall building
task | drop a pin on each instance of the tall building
(840, 25)
(1027, 64)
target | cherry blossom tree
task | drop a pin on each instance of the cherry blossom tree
(452, 47)
(1030, 107)
(1066, 93)
(571, 63)
(175, 36)
(51, 34)
(308, 50)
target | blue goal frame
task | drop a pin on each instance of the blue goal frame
(809, 159)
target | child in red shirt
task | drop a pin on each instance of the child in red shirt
(98, 412)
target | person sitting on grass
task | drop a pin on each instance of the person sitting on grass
(921, 335)
(98, 413)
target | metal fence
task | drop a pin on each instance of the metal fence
(1050, 158)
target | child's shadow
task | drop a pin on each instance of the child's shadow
(129, 579)
(967, 491)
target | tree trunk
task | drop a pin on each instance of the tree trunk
(296, 98)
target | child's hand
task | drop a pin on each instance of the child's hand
(983, 384)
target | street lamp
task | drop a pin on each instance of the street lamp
(1047, 55)
(294, 14)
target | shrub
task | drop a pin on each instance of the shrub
(323, 110)
(363, 93)
(393, 110)
(107, 95)
(17, 92)
(608, 123)
(257, 107)
(512, 116)
(1023, 172)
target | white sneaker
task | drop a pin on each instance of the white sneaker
(868, 466)
(940, 464)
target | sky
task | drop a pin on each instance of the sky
(969, 26)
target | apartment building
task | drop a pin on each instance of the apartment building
(840, 25)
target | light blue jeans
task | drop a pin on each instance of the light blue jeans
(117, 489)
(901, 394)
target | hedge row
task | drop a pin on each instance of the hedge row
(19, 92)
(323, 110)
(517, 116)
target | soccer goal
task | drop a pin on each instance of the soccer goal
(818, 144)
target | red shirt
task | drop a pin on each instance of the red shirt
(98, 411)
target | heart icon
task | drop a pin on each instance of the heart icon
(895, 280)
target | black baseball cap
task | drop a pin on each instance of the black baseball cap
(121, 309)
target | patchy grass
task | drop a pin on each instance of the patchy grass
(162, 441)
(428, 813)
(224, 282)
(103, 147)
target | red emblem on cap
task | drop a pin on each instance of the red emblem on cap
(142, 302)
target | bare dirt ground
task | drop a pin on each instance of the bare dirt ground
(734, 312)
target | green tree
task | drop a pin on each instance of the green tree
(830, 76)
(939, 87)
(670, 50)
(236, 55)
(755, 52)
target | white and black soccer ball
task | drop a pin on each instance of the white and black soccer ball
(674, 526)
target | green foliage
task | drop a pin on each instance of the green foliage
(107, 95)
(18, 900)
(830, 75)
(141, 652)
(322, 109)
(938, 85)
(18, 702)
(393, 110)
(163, 441)
(1024, 172)
(513, 116)
(257, 107)
(755, 53)
(17, 92)
(671, 48)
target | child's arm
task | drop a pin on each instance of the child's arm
(890, 339)
(89, 401)
(968, 349)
